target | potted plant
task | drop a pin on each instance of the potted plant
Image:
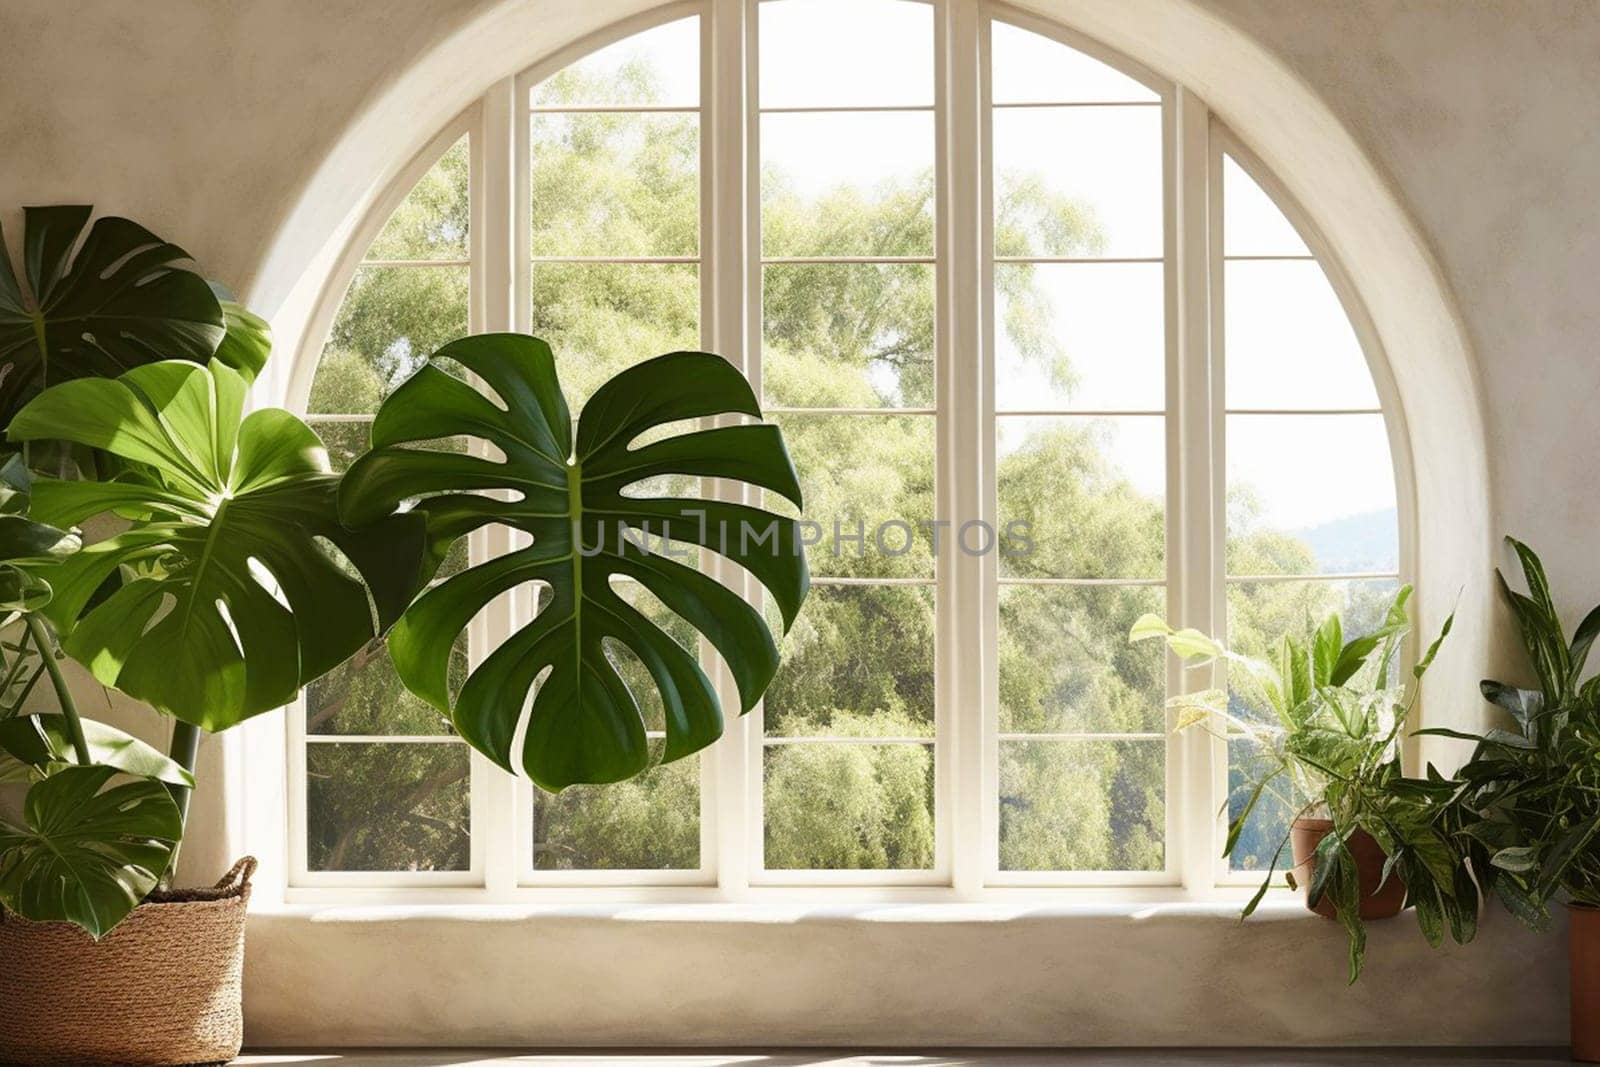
(232, 568)
(1326, 720)
(1530, 793)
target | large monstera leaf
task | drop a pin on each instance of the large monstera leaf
(229, 599)
(87, 854)
(122, 301)
(584, 724)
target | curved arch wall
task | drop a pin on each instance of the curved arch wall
(274, 170)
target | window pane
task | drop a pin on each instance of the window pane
(1084, 336)
(431, 222)
(1289, 342)
(853, 184)
(651, 822)
(658, 66)
(849, 806)
(858, 662)
(1252, 223)
(601, 317)
(391, 320)
(1078, 181)
(1032, 69)
(387, 807)
(610, 184)
(868, 485)
(875, 52)
(1090, 491)
(848, 335)
(1310, 494)
(1067, 666)
(1269, 822)
(1082, 805)
(1259, 613)
(364, 695)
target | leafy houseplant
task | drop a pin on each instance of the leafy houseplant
(1367, 840)
(571, 491)
(231, 568)
(1530, 795)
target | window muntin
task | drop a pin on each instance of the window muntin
(1078, 768)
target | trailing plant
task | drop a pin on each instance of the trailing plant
(1326, 716)
(1529, 802)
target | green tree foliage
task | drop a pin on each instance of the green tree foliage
(859, 661)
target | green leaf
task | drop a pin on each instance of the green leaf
(1433, 650)
(1187, 643)
(1525, 705)
(1541, 639)
(1565, 851)
(1236, 826)
(247, 341)
(231, 598)
(87, 854)
(1294, 667)
(567, 492)
(1582, 640)
(1329, 857)
(1325, 650)
(41, 742)
(1524, 904)
(1430, 913)
(1519, 859)
(121, 302)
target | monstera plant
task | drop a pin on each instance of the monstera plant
(230, 567)
(82, 852)
(228, 601)
(123, 300)
(572, 491)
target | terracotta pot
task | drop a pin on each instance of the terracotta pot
(1306, 834)
(1584, 959)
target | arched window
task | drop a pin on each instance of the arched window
(1050, 350)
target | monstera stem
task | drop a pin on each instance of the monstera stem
(185, 750)
(69, 707)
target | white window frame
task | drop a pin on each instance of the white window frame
(966, 750)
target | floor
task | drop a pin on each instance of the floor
(1069, 1058)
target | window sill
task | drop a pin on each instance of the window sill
(1072, 967)
(781, 905)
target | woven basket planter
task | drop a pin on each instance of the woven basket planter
(160, 990)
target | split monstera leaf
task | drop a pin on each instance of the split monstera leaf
(228, 585)
(124, 300)
(549, 699)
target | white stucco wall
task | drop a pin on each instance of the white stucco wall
(214, 123)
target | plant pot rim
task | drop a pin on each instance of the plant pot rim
(1313, 822)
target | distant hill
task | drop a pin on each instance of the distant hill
(1366, 542)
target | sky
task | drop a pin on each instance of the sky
(1288, 342)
